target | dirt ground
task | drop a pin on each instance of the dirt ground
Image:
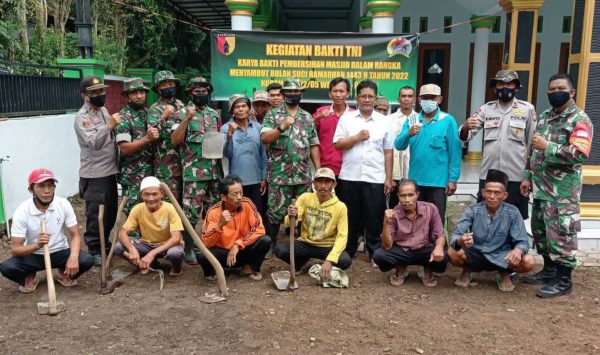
(369, 317)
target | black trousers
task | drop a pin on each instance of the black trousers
(304, 251)
(394, 201)
(97, 191)
(253, 255)
(435, 195)
(253, 193)
(514, 197)
(17, 268)
(366, 205)
(396, 256)
(477, 262)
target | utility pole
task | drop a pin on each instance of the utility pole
(84, 25)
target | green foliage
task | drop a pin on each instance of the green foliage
(46, 50)
(109, 50)
(123, 37)
(10, 46)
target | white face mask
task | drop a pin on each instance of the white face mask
(429, 106)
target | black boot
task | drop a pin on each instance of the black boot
(272, 231)
(561, 285)
(545, 276)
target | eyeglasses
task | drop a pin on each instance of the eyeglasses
(367, 97)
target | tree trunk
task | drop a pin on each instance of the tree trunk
(63, 9)
(22, 10)
(41, 9)
(142, 60)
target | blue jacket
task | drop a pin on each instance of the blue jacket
(435, 152)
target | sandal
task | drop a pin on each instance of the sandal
(175, 273)
(65, 281)
(255, 276)
(429, 281)
(503, 287)
(29, 289)
(396, 280)
(463, 284)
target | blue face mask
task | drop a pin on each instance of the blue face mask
(429, 106)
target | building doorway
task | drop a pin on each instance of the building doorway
(434, 68)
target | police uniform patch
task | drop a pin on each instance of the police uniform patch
(86, 123)
(492, 124)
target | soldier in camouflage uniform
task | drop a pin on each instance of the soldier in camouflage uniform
(200, 175)
(562, 143)
(162, 115)
(292, 141)
(135, 138)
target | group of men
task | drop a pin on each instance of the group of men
(341, 173)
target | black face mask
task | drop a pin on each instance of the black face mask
(505, 94)
(558, 98)
(292, 100)
(136, 107)
(200, 99)
(42, 203)
(168, 93)
(98, 101)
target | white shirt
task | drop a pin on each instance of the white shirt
(401, 157)
(27, 223)
(365, 161)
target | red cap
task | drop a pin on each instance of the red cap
(41, 175)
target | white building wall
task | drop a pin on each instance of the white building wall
(461, 38)
(38, 142)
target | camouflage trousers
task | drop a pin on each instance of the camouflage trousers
(554, 227)
(280, 197)
(133, 197)
(175, 184)
(199, 195)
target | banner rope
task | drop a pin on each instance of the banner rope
(456, 24)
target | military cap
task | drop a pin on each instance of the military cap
(199, 82)
(382, 101)
(133, 84)
(506, 76)
(161, 76)
(91, 82)
(260, 95)
(292, 84)
(233, 99)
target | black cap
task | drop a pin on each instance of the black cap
(494, 175)
(91, 82)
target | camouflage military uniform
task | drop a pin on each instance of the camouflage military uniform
(556, 175)
(139, 164)
(200, 176)
(288, 160)
(167, 165)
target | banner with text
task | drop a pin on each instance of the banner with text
(244, 61)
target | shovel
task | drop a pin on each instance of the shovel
(286, 280)
(52, 307)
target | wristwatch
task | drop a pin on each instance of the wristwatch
(280, 129)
